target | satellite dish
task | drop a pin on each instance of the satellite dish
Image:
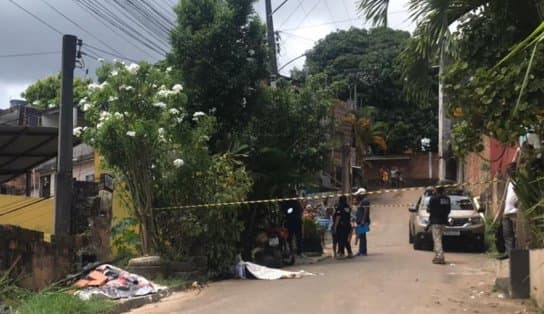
(290, 210)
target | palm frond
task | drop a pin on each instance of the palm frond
(375, 11)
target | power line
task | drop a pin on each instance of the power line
(80, 27)
(330, 13)
(36, 17)
(108, 53)
(348, 12)
(30, 54)
(295, 35)
(322, 24)
(292, 13)
(116, 22)
(308, 13)
(291, 61)
(91, 13)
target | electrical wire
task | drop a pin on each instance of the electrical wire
(319, 25)
(308, 14)
(113, 30)
(117, 21)
(297, 36)
(108, 53)
(80, 27)
(292, 13)
(36, 17)
(330, 13)
(30, 54)
(115, 24)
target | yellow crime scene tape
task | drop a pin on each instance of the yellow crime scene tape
(325, 195)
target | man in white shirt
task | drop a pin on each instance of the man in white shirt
(509, 216)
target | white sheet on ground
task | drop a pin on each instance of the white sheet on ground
(266, 273)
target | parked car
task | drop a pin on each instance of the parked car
(466, 222)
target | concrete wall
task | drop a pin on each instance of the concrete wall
(537, 276)
(38, 263)
(412, 166)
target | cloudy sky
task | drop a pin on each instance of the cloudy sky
(301, 23)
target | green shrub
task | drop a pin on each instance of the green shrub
(46, 303)
(490, 231)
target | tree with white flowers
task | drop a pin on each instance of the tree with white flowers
(138, 122)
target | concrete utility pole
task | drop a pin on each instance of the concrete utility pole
(271, 40)
(64, 181)
(444, 124)
(346, 168)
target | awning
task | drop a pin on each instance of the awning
(23, 148)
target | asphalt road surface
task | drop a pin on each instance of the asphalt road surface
(393, 278)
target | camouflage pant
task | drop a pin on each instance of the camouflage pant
(438, 231)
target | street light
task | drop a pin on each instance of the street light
(426, 147)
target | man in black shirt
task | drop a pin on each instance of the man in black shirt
(293, 211)
(439, 209)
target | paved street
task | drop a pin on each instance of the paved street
(392, 279)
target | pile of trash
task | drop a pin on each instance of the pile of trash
(107, 281)
(248, 270)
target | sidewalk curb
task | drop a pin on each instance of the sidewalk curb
(126, 305)
(313, 260)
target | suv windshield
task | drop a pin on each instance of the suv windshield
(458, 202)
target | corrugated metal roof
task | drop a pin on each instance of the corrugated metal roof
(23, 148)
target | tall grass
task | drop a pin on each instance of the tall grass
(62, 303)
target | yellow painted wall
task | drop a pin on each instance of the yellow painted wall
(38, 213)
(28, 212)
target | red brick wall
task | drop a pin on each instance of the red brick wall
(414, 168)
(41, 263)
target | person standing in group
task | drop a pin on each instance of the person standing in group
(439, 209)
(342, 226)
(293, 222)
(362, 219)
(509, 215)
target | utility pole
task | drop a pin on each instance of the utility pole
(64, 181)
(271, 40)
(444, 124)
(346, 168)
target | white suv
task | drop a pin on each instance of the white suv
(465, 223)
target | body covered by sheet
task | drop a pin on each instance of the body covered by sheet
(116, 283)
(245, 270)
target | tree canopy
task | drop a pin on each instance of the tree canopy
(45, 93)
(369, 61)
(219, 48)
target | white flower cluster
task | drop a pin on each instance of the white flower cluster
(197, 115)
(159, 105)
(94, 87)
(178, 163)
(78, 131)
(127, 88)
(161, 132)
(164, 92)
(174, 111)
(104, 116)
(133, 68)
(131, 133)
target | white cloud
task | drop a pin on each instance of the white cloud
(10, 91)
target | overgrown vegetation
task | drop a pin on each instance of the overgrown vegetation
(56, 302)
